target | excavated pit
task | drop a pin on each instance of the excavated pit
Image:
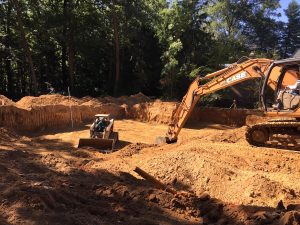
(45, 178)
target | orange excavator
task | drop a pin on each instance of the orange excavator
(279, 97)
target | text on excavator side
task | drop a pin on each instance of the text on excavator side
(236, 77)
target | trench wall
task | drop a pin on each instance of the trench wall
(53, 116)
(161, 112)
(59, 116)
(232, 117)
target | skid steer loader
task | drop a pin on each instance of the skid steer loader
(102, 135)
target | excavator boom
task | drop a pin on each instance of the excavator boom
(282, 76)
(238, 72)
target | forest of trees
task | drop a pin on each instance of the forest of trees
(119, 47)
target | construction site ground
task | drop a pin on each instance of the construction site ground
(45, 179)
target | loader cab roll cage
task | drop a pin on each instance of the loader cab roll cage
(287, 63)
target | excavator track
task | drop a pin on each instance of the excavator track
(284, 134)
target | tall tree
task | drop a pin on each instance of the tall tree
(116, 47)
(292, 31)
(249, 24)
(8, 66)
(71, 42)
(115, 27)
(26, 45)
(185, 42)
(64, 56)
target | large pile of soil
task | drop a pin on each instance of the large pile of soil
(127, 100)
(54, 99)
(57, 99)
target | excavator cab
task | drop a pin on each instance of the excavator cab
(286, 89)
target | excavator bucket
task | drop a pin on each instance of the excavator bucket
(161, 140)
(99, 143)
(164, 140)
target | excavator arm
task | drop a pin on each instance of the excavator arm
(245, 69)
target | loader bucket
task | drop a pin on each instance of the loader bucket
(99, 143)
(96, 143)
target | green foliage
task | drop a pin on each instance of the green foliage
(105, 47)
(292, 29)
(185, 44)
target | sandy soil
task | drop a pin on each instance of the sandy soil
(207, 157)
(46, 180)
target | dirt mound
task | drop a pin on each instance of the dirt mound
(127, 100)
(43, 100)
(57, 99)
(90, 101)
(134, 99)
(5, 101)
(199, 166)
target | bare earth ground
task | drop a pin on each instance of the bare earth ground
(44, 179)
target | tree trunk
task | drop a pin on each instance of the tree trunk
(2, 78)
(22, 75)
(26, 47)
(64, 47)
(117, 52)
(8, 68)
(68, 47)
(71, 65)
(110, 86)
(71, 49)
(71, 54)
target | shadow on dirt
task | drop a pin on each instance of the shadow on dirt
(39, 143)
(121, 144)
(52, 131)
(47, 189)
(3, 221)
(32, 192)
